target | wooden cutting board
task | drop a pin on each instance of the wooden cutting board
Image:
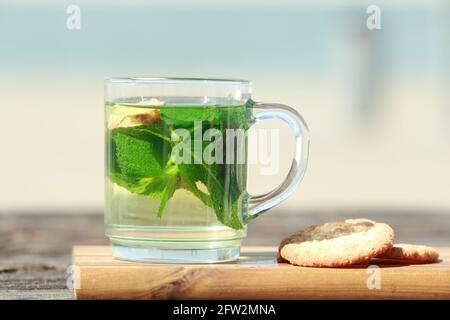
(257, 275)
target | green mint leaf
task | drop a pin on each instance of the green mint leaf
(224, 193)
(184, 117)
(139, 157)
(141, 151)
(213, 116)
(161, 187)
(168, 191)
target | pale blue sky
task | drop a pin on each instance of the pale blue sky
(223, 39)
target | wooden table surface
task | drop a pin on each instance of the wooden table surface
(256, 275)
(35, 249)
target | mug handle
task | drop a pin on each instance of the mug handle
(259, 204)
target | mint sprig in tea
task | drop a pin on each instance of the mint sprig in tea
(179, 167)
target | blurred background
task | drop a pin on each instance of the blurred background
(376, 101)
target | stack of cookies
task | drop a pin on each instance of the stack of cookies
(347, 243)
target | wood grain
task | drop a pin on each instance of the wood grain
(256, 275)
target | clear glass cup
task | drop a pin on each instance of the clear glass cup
(176, 167)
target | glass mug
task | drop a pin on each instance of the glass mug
(176, 167)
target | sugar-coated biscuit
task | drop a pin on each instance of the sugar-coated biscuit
(337, 244)
(411, 253)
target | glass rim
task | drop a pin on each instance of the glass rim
(186, 80)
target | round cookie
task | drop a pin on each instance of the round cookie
(411, 253)
(337, 244)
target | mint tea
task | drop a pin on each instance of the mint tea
(176, 175)
(176, 167)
